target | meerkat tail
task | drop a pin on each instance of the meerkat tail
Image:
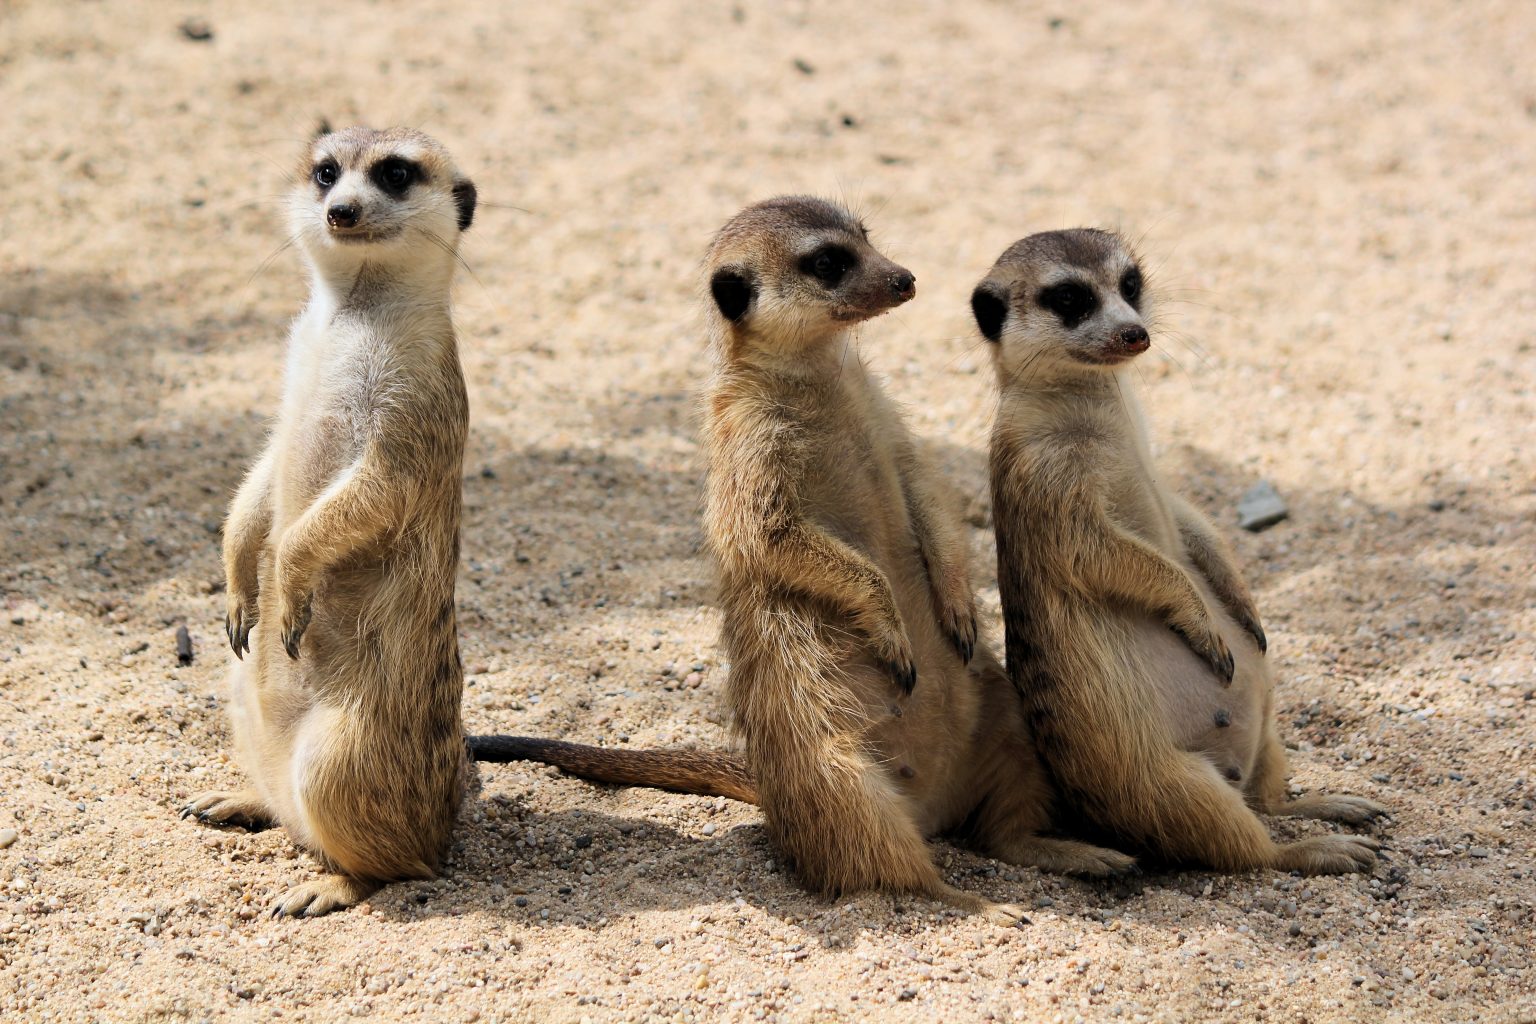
(700, 772)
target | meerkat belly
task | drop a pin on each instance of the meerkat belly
(1223, 723)
(924, 746)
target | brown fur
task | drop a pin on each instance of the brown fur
(341, 546)
(1129, 631)
(843, 572)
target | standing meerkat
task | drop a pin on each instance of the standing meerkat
(847, 604)
(1130, 633)
(341, 547)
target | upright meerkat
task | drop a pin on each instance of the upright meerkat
(341, 547)
(1130, 633)
(848, 611)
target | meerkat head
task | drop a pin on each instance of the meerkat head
(792, 272)
(361, 194)
(1063, 302)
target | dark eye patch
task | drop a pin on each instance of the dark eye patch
(395, 174)
(1071, 301)
(829, 264)
(325, 174)
(1130, 286)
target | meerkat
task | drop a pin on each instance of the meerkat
(1129, 631)
(341, 545)
(872, 716)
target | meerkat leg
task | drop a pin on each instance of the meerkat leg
(333, 892)
(356, 510)
(1116, 564)
(1269, 794)
(1214, 560)
(817, 564)
(244, 809)
(942, 546)
(246, 531)
(1008, 822)
(1183, 809)
(870, 840)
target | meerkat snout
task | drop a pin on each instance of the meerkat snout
(341, 215)
(1132, 338)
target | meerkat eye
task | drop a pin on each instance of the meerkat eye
(326, 173)
(1071, 301)
(1130, 285)
(829, 264)
(394, 174)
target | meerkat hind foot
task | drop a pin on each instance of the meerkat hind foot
(1005, 914)
(1351, 810)
(1068, 857)
(1328, 855)
(243, 810)
(333, 892)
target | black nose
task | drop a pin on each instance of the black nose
(342, 215)
(903, 284)
(1131, 335)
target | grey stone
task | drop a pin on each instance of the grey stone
(1261, 508)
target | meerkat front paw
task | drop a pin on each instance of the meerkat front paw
(1211, 648)
(1248, 618)
(957, 616)
(239, 618)
(292, 619)
(894, 650)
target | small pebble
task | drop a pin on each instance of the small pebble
(199, 31)
(8, 837)
(1261, 507)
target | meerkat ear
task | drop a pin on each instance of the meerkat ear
(322, 129)
(989, 304)
(464, 195)
(733, 291)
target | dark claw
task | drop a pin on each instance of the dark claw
(967, 648)
(1220, 662)
(292, 637)
(239, 636)
(905, 676)
(964, 639)
(1224, 667)
(1257, 632)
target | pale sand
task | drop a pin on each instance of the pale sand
(1340, 194)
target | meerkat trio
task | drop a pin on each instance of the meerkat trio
(341, 546)
(1136, 707)
(1129, 632)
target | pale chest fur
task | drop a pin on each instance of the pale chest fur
(853, 481)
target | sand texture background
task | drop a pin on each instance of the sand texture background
(1338, 201)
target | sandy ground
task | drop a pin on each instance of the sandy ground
(1337, 197)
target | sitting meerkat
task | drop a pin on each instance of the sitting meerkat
(341, 547)
(848, 612)
(1130, 633)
